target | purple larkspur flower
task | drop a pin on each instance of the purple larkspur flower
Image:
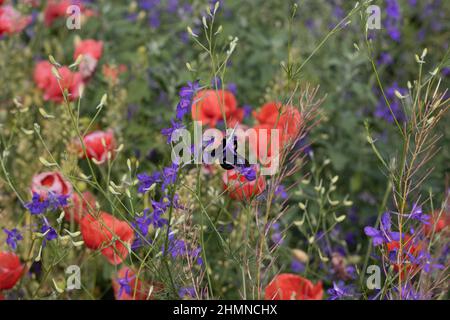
(125, 284)
(195, 254)
(382, 110)
(425, 260)
(168, 132)
(385, 59)
(147, 5)
(393, 19)
(13, 236)
(154, 20)
(40, 205)
(186, 292)
(297, 266)
(280, 191)
(276, 236)
(232, 87)
(248, 172)
(186, 95)
(247, 110)
(216, 82)
(169, 175)
(177, 247)
(49, 231)
(417, 214)
(146, 181)
(384, 235)
(56, 201)
(37, 205)
(339, 291)
(143, 223)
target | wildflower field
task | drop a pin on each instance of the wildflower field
(224, 150)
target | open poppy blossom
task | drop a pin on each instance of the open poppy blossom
(52, 87)
(98, 233)
(98, 144)
(410, 252)
(288, 286)
(276, 116)
(11, 21)
(91, 51)
(439, 221)
(235, 117)
(210, 106)
(10, 270)
(266, 144)
(127, 286)
(80, 206)
(55, 9)
(53, 182)
(239, 187)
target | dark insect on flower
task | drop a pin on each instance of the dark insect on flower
(230, 158)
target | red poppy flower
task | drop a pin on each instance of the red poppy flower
(286, 118)
(288, 286)
(266, 144)
(409, 250)
(239, 188)
(98, 233)
(98, 144)
(54, 182)
(235, 117)
(55, 9)
(10, 270)
(80, 206)
(47, 81)
(438, 222)
(210, 105)
(11, 21)
(127, 286)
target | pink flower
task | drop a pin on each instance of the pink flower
(54, 182)
(11, 21)
(98, 144)
(89, 47)
(52, 87)
(43, 74)
(92, 52)
(55, 9)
